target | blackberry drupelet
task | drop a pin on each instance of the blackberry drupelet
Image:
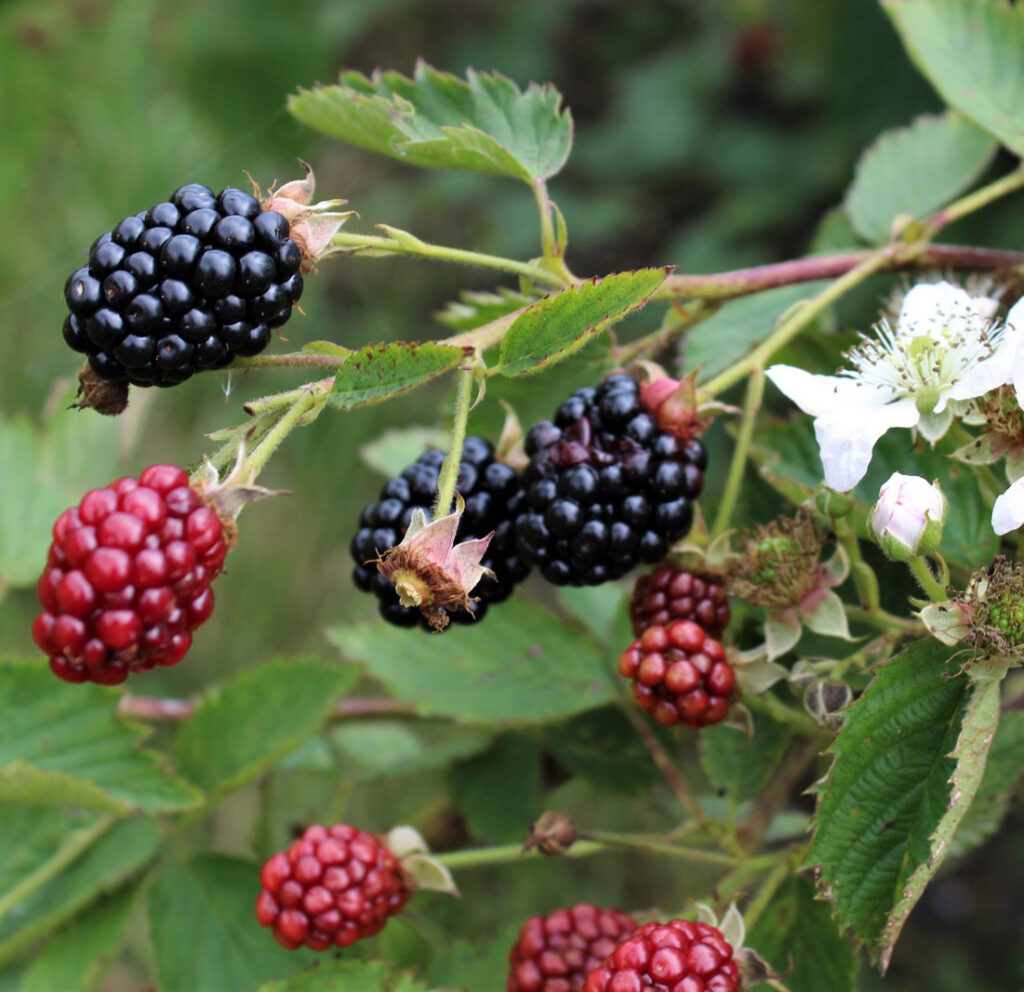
(669, 593)
(494, 495)
(188, 285)
(606, 488)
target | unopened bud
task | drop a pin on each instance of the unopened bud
(554, 833)
(907, 520)
(833, 504)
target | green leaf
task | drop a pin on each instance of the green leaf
(1003, 771)
(725, 337)
(796, 930)
(22, 783)
(888, 789)
(74, 732)
(350, 976)
(562, 322)
(42, 471)
(204, 930)
(911, 171)
(498, 791)
(603, 747)
(470, 967)
(79, 955)
(543, 671)
(972, 52)
(32, 837)
(474, 308)
(377, 372)
(256, 718)
(977, 729)
(438, 121)
(394, 449)
(740, 766)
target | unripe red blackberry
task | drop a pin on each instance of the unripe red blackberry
(555, 953)
(680, 675)
(333, 886)
(127, 577)
(493, 494)
(669, 593)
(606, 487)
(188, 285)
(678, 956)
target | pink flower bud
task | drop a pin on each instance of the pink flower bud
(908, 517)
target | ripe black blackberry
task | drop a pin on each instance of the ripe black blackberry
(606, 487)
(494, 495)
(187, 285)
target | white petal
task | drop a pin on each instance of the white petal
(929, 300)
(1008, 511)
(988, 374)
(1015, 318)
(847, 438)
(825, 395)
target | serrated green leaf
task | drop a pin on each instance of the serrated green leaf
(78, 956)
(118, 854)
(977, 728)
(972, 52)
(75, 731)
(562, 322)
(888, 788)
(438, 121)
(795, 930)
(740, 766)
(468, 967)
(41, 473)
(543, 671)
(256, 718)
(204, 930)
(603, 747)
(726, 336)
(378, 372)
(1003, 771)
(497, 791)
(474, 308)
(22, 783)
(352, 976)
(394, 449)
(914, 170)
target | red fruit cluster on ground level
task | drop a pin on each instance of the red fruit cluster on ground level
(332, 886)
(127, 577)
(669, 593)
(678, 956)
(555, 953)
(679, 675)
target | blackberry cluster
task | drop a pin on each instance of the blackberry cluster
(680, 675)
(333, 886)
(678, 956)
(493, 493)
(607, 488)
(555, 953)
(669, 593)
(187, 285)
(127, 577)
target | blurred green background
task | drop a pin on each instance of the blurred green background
(710, 134)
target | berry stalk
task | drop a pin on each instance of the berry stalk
(751, 406)
(450, 467)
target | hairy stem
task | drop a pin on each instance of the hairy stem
(745, 282)
(932, 587)
(974, 201)
(767, 891)
(450, 469)
(356, 243)
(290, 360)
(272, 440)
(755, 393)
(645, 846)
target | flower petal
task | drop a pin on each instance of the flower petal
(988, 374)
(1008, 511)
(847, 438)
(824, 395)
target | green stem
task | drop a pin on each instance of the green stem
(973, 201)
(75, 844)
(644, 846)
(278, 401)
(260, 455)
(863, 575)
(450, 468)
(799, 318)
(356, 243)
(755, 393)
(884, 621)
(290, 360)
(482, 856)
(677, 320)
(771, 705)
(767, 891)
(933, 589)
(548, 240)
